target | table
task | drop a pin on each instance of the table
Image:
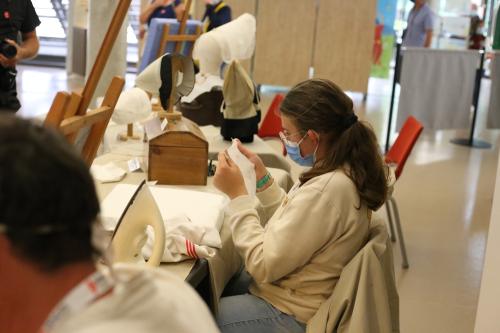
(216, 144)
(208, 277)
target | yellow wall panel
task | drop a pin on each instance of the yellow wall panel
(344, 42)
(285, 36)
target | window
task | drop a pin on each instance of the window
(52, 31)
(53, 16)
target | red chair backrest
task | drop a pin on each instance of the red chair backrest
(271, 125)
(403, 146)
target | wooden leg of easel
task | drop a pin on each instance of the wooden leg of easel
(71, 110)
(129, 135)
(97, 131)
(57, 110)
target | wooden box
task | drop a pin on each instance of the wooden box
(179, 156)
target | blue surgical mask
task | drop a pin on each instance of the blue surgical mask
(293, 150)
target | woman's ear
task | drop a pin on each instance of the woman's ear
(313, 136)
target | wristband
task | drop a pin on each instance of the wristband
(263, 181)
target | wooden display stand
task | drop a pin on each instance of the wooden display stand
(69, 111)
(178, 156)
(179, 38)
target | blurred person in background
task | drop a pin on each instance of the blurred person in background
(18, 41)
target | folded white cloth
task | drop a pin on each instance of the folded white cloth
(107, 173)
(185, 240)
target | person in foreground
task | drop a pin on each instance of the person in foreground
(295, 245)
(48, 220)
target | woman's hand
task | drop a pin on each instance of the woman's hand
(260, 168)
(228, 178)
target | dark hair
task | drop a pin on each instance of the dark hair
(320, 105)
(48, 200)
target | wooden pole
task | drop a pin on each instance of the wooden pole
(182, 27)
(103, 55)
(185, 17)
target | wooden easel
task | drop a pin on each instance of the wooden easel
(69, 111)
(181, 36)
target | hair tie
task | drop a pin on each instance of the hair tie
(350, 120)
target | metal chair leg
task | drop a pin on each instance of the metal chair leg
(390, 221)
(400, 233)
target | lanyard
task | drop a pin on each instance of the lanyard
(88, 291)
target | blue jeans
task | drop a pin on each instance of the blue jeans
(245, 313)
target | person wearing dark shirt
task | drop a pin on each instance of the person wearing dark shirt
(217, 13)
(162, 9)
(18, 22)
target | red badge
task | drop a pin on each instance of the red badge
(6, 15)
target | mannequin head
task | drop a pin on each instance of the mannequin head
(209, 55)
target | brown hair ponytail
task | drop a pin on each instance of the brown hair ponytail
(322, 106)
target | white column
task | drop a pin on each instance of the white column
(77, 18)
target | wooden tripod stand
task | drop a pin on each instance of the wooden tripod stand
(69, 111)
(179, 39)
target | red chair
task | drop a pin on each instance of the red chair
(397, 155)
(271, 125)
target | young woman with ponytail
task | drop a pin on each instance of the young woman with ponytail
(295, 245)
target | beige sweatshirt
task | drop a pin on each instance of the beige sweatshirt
(295, 245)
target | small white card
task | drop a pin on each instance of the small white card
(108, 173)
(134, 165)
(164, 124)
(153, 127)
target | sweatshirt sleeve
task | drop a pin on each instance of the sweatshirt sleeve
(308, 221)
(270, 200)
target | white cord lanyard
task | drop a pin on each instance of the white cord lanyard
(88, 291)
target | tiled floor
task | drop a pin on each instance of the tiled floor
(444, 196)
